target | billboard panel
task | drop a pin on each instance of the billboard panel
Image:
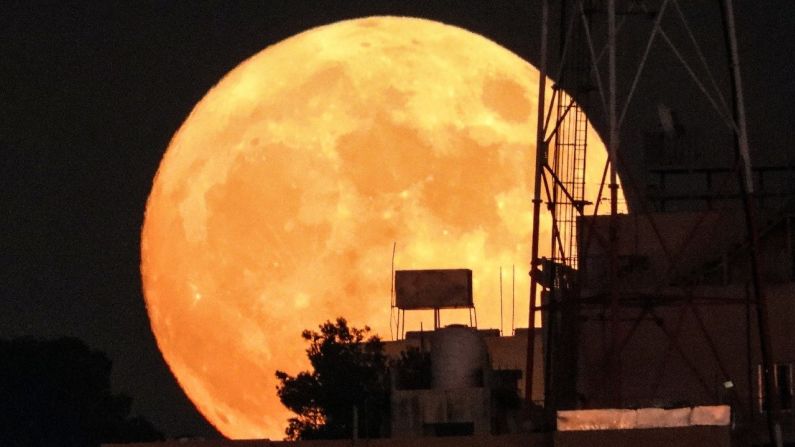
(433, 289)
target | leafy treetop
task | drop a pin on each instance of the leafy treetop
(349, 370)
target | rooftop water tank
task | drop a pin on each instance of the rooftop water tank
(458, 358)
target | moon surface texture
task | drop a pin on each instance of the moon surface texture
(278, 201)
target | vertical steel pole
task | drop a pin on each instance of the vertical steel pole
(737, 95)
(741, 146)
(501, 317)
(541, 154)
(615, 356)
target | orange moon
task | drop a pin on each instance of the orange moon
(277, 202)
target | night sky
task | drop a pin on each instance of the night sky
(90, 95)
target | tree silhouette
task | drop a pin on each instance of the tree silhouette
(412, 370)
(349, 371)
(57, 393)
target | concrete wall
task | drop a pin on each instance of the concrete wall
(667, 358)
(413, 410)
(511, 353)
(707, 247)
(660, 367)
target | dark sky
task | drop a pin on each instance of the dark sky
(90, 95)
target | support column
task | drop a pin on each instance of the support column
(614, 372)
(541, 155)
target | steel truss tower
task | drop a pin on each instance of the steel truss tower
(586, 74)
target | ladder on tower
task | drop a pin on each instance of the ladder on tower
(568, 163)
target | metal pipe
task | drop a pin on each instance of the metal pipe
(741, 147)
(614, 375)
(539, 172)
(513, 299)
(737, 94)
(501, 318)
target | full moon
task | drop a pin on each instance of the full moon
(278, 201)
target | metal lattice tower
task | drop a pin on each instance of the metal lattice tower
(568, 162)
(569, 140)
(608, 299)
